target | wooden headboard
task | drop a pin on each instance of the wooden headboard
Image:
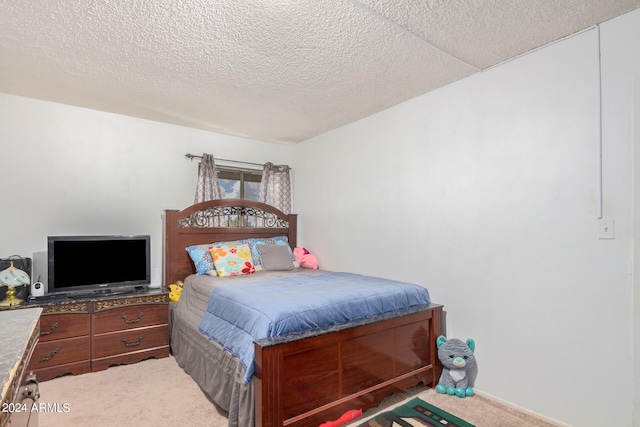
(200, 224)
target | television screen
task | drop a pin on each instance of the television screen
(97, 263)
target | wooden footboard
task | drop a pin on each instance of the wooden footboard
(305, 380)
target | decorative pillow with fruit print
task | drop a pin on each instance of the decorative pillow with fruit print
(232, 260)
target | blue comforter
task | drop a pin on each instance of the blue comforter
(239, 313)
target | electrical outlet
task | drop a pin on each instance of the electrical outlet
(606, 228)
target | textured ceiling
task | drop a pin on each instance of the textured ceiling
(274, 70)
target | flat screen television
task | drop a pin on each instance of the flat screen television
(98, 264)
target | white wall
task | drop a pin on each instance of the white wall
(486, 192)
(69, 170)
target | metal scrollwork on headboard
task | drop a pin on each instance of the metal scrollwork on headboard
(233, 216)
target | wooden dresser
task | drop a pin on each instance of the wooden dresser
(80, 336)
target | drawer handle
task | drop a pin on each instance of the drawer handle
(53, 328)
(132, 344)
(53, 353)
(124, 317)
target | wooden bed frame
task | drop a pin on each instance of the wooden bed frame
(308, 378)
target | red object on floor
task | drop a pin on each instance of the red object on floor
(347, 416)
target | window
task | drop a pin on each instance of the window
(239, 184)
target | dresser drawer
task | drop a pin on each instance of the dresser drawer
(68, 350)
(134, 316)
(57, 326)
(125, 341)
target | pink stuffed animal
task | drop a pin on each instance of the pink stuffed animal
(305, 259)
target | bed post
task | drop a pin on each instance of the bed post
(293, 231)
(170, 236)
(267, 391)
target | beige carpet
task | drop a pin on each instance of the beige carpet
(150, 393)
(159, 393)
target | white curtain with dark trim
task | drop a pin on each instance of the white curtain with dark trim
(275, 187)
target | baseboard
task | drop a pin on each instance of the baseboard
(520, 408)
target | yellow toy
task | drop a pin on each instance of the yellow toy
(175, 290)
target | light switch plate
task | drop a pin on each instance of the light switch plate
(606, 228)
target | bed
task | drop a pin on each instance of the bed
(300, 378)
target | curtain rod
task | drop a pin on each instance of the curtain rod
(193, 156)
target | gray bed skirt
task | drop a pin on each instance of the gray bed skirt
(219, 374)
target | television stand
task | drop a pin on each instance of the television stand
(81, 335)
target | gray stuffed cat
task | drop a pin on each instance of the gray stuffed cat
(457, 360)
